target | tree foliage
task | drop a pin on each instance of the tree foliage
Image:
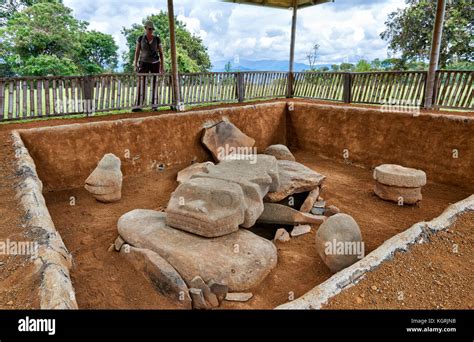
(409, 31)
(47, 32)
(191, 53)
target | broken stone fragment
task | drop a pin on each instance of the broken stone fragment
(398, 194)
(339, 242)
(209, 296)
(207, 207)
(399, 176)
(310, 200)
(282, 235)
(238, 297)
(281, 214)
(294, 178)
(105, 182)
(318, 211)
(198, 300)
(255, 177)
(301, 230)
(280, 152)
(163, 276)
(331, 210)
(219, 290)
(224, 139)
(213, 259)
(185, 174)
(118, 243)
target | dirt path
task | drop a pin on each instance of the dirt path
(436, 275)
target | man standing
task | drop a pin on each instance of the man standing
(148, 59)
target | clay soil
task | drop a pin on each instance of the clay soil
(104, 279)
(435, 275)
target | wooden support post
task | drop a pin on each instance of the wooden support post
(291, 75)
(434, 57)
(88, 94)
(240, 87)
(174, 61)
(347, 90)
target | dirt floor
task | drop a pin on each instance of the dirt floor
(104, 280)
(113, 284)
(436, 275)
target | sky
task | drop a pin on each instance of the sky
(345, 30)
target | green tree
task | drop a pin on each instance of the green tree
(409, 31)
(362, 66)
(98, 52)
(191, 53)
(228, 67)
(313, 56)
(335, 67)
(346, 67)
(47, 32)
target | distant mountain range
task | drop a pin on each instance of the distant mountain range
(260, 65)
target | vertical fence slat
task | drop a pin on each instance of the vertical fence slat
(2, 100)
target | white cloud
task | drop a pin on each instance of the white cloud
(345, 30)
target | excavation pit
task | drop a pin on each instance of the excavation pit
(342, 142)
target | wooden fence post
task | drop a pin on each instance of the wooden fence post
(88, 95)
(290, 91)
(240, 87)
(347, 90)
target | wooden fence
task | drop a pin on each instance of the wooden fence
(36, 97)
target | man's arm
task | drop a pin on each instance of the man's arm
(137, 55)
(162, 59)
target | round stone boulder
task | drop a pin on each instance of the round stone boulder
(280, 152)
(339, 242)
(400, 176)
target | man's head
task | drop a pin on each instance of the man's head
(149, 27)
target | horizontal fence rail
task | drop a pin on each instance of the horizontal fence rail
(36, 97)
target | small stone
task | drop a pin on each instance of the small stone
(197, 297)
(310, 200)
(359, 300)
(209, 296)
(318, 211)
(111, 248)
(2, 263)
(319, 204)
(280, 152)
(238, 296)
(301, 230)
(282, 235)
(118, 243)
(10, 303)
(219, 290)
(331, 210)
(373, 287)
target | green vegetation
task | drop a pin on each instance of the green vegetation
(192, 54)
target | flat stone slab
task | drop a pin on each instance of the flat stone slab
(185, 174)
(294, 178)
(398, 194)
(280, 152)
(281, 214)
(397, 175)
(225, 139)
(207, 207)
(255, 176)
(240, 260)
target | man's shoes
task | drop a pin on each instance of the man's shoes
(136, 110)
